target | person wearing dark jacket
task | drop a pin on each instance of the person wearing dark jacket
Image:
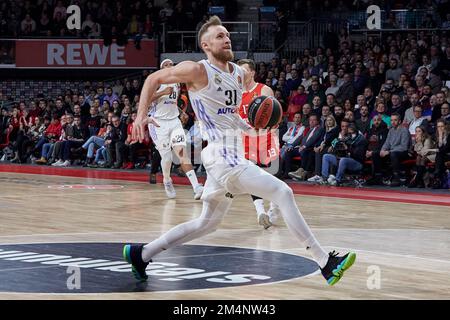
(395, 148)
(115, 143)
(347, 153)
(331, 133)
(442, 137)
(305, 149)
(346, 90)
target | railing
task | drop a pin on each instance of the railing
(257, 36)
(405, 19)
(186, 41)
(382, 33)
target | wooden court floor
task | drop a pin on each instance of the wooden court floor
(403, 250)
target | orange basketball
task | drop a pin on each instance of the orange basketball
(264, 112)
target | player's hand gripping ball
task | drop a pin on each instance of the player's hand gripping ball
(264, 112)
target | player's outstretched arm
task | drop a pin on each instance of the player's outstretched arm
(188, 72)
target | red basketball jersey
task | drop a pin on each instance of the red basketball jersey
(263, 148)
(247, 97)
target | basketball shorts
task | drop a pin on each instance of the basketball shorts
(169, 134)
(223, 165)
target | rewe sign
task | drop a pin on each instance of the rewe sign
(83, 53)
(74, 54)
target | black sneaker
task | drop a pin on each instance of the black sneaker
(375, 181)
(335, 267)
(133, 255)
(152, 178)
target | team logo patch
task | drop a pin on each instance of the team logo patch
(100, 268)
(217, 79)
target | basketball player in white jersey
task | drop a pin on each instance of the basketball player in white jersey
(215, 89)
(169, 135)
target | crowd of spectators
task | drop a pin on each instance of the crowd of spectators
(416, 13)
(376, 104)
(102, 19)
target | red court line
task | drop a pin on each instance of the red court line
(300, 189)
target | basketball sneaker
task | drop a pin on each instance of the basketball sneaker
(335, 267)
(198, 192)
(58, 163)
(133, 255)
(170, 190)
(331, 180)
(299, 174)
(264, 220)
(315, 179)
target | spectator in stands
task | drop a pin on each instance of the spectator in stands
(28, 25)
(93, 122)
(74, 138)
(306, 81)
(331, 133)
(394, 71)
(425, 152)
(346, 90)
(110, 96)
(116, 142)
(333, 88)
(338, 114)
(294, 131)
(442, 138)
(381, 110)
(4, 122)
(445, 113)
(363, 123)
(436, 113)
(347, 153)
(374, 80)
(304, 147)
(409, 113)
(132, 146)
(51, 136)
(419, 120)
(395, 148)
(316, 106)
(296, 102)
(315, 90)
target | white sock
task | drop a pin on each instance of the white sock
(192, 178)
(259, 205)
(319, 255)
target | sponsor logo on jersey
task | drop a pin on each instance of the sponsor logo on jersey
(226, 110)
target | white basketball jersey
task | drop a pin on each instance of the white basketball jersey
(166, 107)
(217, 105)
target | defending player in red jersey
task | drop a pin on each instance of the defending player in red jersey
(261, 148)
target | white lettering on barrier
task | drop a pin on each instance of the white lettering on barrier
(74, 54)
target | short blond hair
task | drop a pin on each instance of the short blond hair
(212, 21)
